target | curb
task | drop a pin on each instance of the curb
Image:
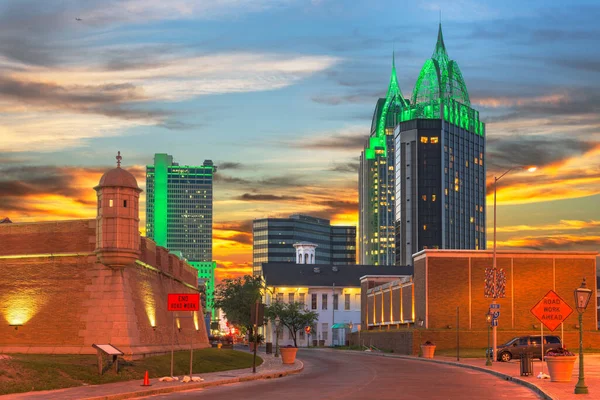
(200, 385)
(505, 377)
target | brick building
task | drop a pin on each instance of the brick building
(65, 285)
(447, 290)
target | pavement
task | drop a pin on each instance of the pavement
(511, 371)
(337, 374)
(271, 368)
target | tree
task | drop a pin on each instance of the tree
(291, 315)
(236, 296)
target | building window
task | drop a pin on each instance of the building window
(110, 203)
(335, 302)
(424, 227)
(279, 298)
(124, 203)
(435, 139)
(302, 299)
(301, 336)
(290, 298)
(324, 330)
(313, 301)
(433, 197)
(346, 302)
(357, 301)
(424, 197)
(324, 301)
(424, 139)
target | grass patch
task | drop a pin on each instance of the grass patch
(29, 372)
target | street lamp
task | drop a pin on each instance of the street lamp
(488, 356)
(582, 298)
(277, 320)
(496, 179)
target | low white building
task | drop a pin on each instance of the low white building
(333, 291)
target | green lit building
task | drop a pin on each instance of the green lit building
(439, 165)
(179, 213)
(376, 181)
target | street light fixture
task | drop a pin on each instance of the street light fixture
(582, 299)
(530, 168)
(488, 356)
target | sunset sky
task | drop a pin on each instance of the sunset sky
(280, 95)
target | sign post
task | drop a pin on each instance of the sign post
(182, 302)
(551, 311)
(495, 287)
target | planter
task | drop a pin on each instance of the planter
(560, 368)
(288, 354)
(427, 351)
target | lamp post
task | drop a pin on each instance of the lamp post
(350, 326)
(582, 298)
(277, 337)
(488, 356)
(496, 179)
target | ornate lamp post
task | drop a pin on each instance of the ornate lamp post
(488, 356)
(277, 337)
(582, 298)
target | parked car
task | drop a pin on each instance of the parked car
(518, 346)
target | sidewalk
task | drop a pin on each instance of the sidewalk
(271, 368)
(511, 371)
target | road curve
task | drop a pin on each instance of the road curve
(332, 374)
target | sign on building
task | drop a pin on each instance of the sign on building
(552, 310)
(183, 302)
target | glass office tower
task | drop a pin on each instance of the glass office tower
(179, 213)
(273, 240)
(439, 164)
(376, 181)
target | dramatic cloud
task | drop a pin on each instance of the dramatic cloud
(266, 197)
(351, 139)
(349, 167)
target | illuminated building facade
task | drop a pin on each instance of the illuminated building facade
(440, 164)
(274, 238)
(376, 181)
(179, 213)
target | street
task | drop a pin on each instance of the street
(331, 374)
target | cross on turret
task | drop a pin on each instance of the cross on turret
(119, 158)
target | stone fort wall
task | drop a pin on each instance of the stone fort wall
(61, 299)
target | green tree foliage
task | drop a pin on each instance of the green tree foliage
(236, 296)
(291, 315)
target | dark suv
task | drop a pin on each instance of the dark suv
(515, 347)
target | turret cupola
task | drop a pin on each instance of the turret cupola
(118, 219)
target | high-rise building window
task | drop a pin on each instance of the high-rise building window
(313, 301)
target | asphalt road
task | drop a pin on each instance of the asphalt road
(332, 374)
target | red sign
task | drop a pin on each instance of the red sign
(551, 310)
(184, 302)
(307, 330)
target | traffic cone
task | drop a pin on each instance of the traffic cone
(146, 380)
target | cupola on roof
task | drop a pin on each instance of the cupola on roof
(118, 177)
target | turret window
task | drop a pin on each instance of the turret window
(124, 203)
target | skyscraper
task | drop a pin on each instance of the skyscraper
(376, 181)
(274, 238)
(440, 164)
(422, 169)
(179, 213)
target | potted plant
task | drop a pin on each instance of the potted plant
(294, 317)
(253, 340)
(427, 349)
(560, 363)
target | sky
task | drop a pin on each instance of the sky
(280, 95)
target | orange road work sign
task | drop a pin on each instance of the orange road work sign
(551, 310)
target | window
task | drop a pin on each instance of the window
(424, 139)
(279, 298)
(324, 329)
(124, 203)
(435, 139)
(346, 301)
(302, 298)
(324, 301)
(335, 301)
(357, 301)
(290, 298)
(433, 197)
(313, 301)
(110, 203)
(425, 227)
(424, 197)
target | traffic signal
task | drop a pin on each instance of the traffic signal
(307, 329)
